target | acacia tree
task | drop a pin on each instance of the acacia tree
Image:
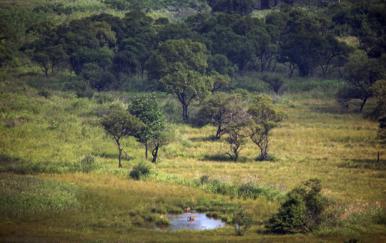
(181, 65)
(119, 124)
(214, 111)
(265, 117)
(163, 138)
(236, 122)
(146, 109)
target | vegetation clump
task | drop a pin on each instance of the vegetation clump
(242, 221)
(302, 210)
(140, 171)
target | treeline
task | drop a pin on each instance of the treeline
(205, 51)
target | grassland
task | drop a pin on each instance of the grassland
(46, 197)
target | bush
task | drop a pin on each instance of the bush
(139, 171)
(301, 212)
(242, 221)
(87, 164)
(44, 93)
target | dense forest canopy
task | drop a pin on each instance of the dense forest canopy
(117, 44)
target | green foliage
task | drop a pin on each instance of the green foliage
(242, 221)
(265, 117)
(155, 133)
(140, 171)
(302, 210)
(182, 63)
(361, 73)
(118, 124)
(242, 7)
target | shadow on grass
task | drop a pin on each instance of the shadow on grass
(6, 159)
(205, 139)
(125, 156)
(223, 158)
(364, 164)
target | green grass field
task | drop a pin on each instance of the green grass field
(46, 197)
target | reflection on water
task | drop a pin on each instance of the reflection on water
(193, 221)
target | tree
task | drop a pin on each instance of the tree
(162, 139)
(242, 7)
(181, 66)
(302, 210)
(302, 41)
(119, 124)
(214, 111)
(147, 109)
(265, 117)
(361, 73)
(236, 122)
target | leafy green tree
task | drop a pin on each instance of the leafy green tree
(162, 139)
(181, 65)
(87, 41)
(214, 111)
(302, 42)
(119, 124)
(301, 212)
(237, 120)
(49, 57)
(147, 109)
(361, 73)
(220, 64)
(265, 117)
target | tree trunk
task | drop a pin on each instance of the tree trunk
(185, 114)
(155, 154)
(146, 150)
(119, 152)
(363, 104)
(263, 145)
(219, 132)
(119, 156)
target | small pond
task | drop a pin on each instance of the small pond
(193, 221)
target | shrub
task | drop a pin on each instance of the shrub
(301, 212)
(87, 164)
(140, 171)
(274, 81)
(44, 93)
(242, 221)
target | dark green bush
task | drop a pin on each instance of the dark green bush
(44, 93)
(140, 171)
(301, 212)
